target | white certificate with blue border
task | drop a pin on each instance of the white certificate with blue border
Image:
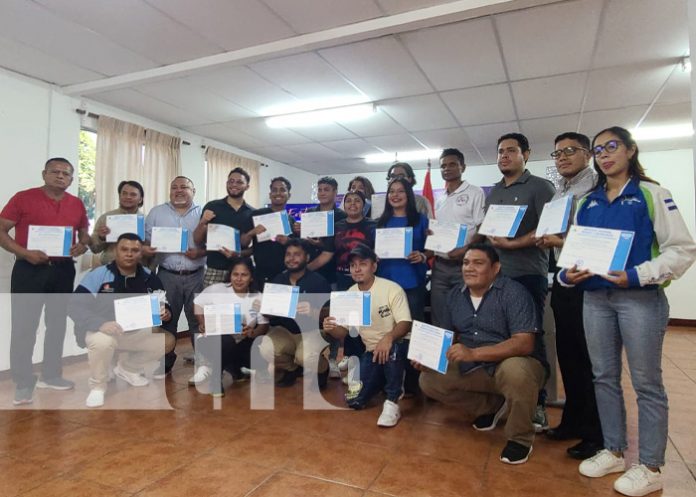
(169, 240)
(125, 223)
(221, 236)
(446, 236)
(555, 216)
(598, 250)
(276, 223)
(223, 319)
(394, 243)
(54, 241)
(135, 313)
(502, 220)
(280, 300)
(351, 308)
(429, 345)
(317, 224)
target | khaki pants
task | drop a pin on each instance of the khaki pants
(143, 347)
(516, 379)
(290, 350)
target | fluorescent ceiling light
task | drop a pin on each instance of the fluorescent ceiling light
(402, 156)
(663, 132)
(324, 116)
(307, 104)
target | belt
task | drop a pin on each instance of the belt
(182, 272)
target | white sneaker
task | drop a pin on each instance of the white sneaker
(343, 364)
(390, 414)
(95, 398)
(638, 481)
(601, 464)
(133, 379)
(334, 371)
(202, 374)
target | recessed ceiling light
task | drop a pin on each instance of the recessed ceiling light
(320, 117)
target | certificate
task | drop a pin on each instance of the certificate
(54, 241)
(394, 243)
(599, 250)
(317, 224)
(125, 223)
(220, 236)
(446, 236)
(222, 319)
(555, 216)
(166, 239)
(135, 313)
(502, 220)
(351, 308)
(377, 201)
(276, 223)
(280, 300)
(429, 345)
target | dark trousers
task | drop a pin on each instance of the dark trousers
(580, 414)
(225, 354)
(538, 287)
(376, 377)
(34, 288)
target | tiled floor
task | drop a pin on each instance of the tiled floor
(199, 448)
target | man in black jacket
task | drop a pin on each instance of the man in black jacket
(92, 310)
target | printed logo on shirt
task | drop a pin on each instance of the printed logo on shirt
(630, 200)
(384, 311)
(462, 199)
(669, 203)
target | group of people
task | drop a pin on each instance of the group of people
(491, 292)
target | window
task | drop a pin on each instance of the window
(85, 174)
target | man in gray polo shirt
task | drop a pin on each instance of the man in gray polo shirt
(498, 365)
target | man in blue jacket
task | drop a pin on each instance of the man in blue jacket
(92, 310)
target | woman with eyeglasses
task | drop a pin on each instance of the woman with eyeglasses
(627, 310)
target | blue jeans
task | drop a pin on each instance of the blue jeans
(376, 377)
(636, 320)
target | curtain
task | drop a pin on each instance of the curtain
(219, 164)
(119, 157)
(161, 164)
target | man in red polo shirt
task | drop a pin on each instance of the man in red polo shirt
(39, 280)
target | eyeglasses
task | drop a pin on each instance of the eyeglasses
(609, 147)
(567, 151)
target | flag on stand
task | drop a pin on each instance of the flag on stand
(428, 189)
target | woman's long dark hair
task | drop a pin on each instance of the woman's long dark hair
(412, 214)
(244, 261)
(635, 169)
(369, 189)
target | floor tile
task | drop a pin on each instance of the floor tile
(289, 485)
(19, 476)
(73, 487)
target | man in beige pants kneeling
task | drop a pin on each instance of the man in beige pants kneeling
(497, 367)
(92, 310)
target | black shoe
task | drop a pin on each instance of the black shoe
(515, 453)
(289, 377)
(487, 422)
(560, 433)
(584, 450)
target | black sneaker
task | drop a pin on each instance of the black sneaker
(487, 422)
(515, 453)
(289, 377)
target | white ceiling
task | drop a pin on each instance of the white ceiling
(457, 73)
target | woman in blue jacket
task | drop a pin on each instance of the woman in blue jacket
(628, 309)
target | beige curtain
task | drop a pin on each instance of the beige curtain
(219, 164)
(119, 157)
(161, 164)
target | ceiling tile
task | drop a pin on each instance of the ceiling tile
(552, 96)
(137, 26)
(307, 16)
(625, 86)
(678, 88)
(331, 131)
(485, 137)
(662, 115)
(395, 143)
(641, 31)
(356, 147)
(398, 6)
(232, 24)
(486, 104)
(280, 154)
(380, 67)
(307, 76)
(314, 151)
(525, 36)
(227, 135)
(444, 138)
(270, 136)
(378, 124)
(546, 129)
(471, 44)
(593, 122)
(419, 113)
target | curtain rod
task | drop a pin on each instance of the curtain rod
(83, 112)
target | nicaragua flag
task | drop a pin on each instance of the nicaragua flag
(671, 206)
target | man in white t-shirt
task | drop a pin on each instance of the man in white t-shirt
(383, 362)
(461, 203)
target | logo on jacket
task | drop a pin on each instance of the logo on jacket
(592, 204)
(462, 199)
(669, 203)
(630, 200)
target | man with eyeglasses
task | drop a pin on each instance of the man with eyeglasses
(230, 211)
(39, 281)
(580, 417)
(180, 273)
(404, 170)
